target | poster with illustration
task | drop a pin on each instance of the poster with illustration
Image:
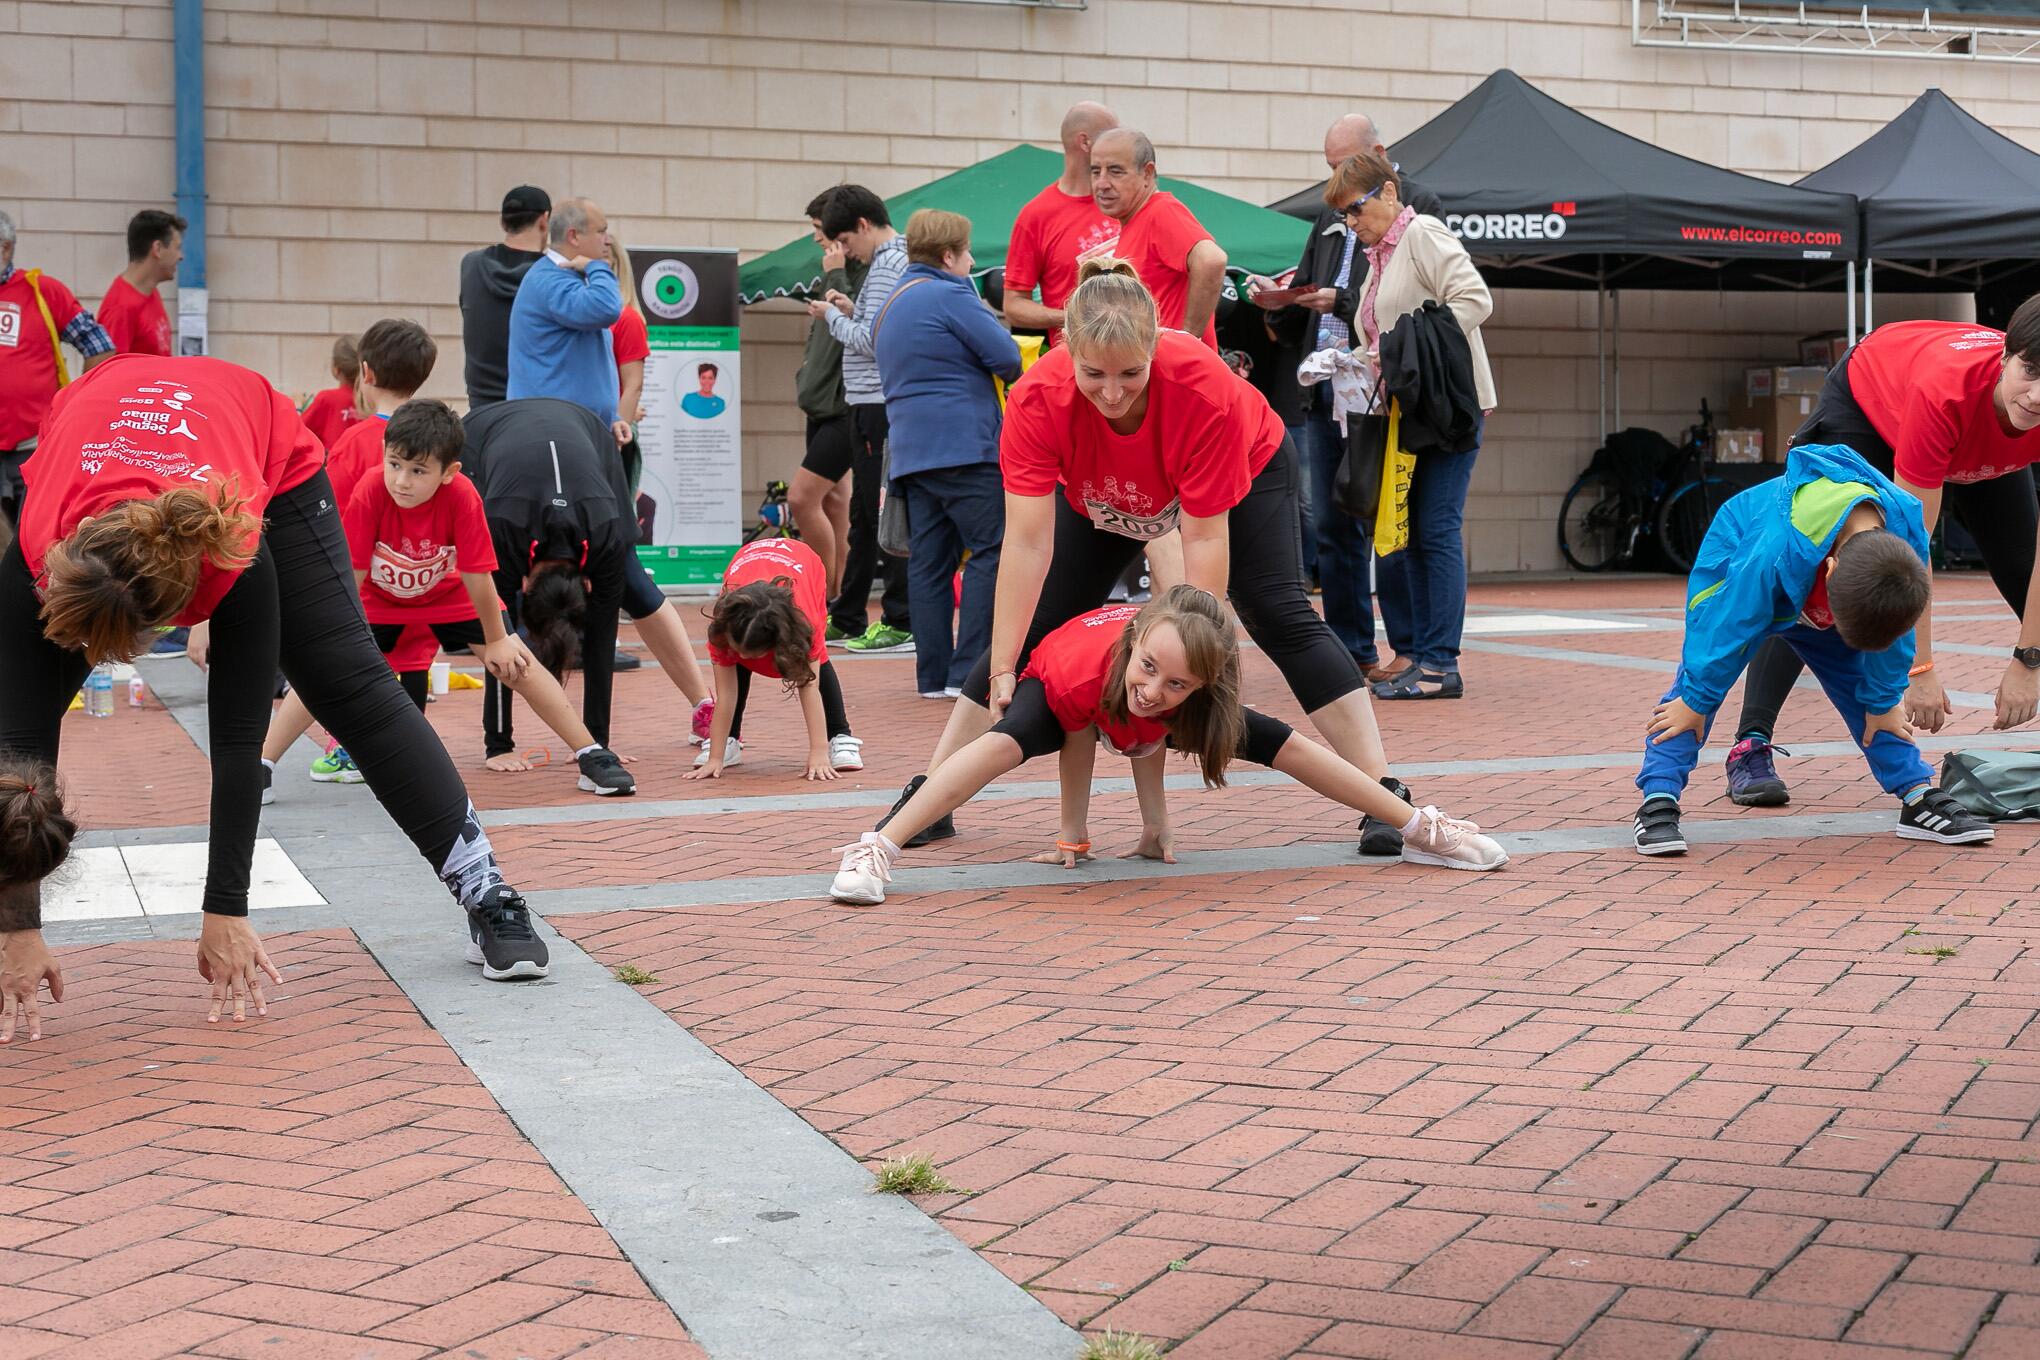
(689, 502)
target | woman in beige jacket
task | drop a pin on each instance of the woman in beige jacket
(1412, 259)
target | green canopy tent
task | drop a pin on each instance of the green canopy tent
(991, 194)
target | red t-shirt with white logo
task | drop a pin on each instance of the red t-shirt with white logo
(1073, 662)
(1053, 235)
(135, 320)
(1158, 239)
(1926, 387)
(136, 426)
(28, 362)
(414, 558)
(767, 560)
(356, 455)
(1204, 438)
(329, 414)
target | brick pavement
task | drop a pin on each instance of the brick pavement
(1592, 1107)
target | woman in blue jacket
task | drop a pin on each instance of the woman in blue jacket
(939, 347)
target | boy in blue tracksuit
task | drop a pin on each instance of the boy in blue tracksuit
(1832, 557)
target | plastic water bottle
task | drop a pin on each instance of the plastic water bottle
(99, 692)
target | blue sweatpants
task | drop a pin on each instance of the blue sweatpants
(1895, 762)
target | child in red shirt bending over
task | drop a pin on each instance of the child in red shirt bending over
(1144, 679)
(769, 621)
(329, 413)
(423, 554)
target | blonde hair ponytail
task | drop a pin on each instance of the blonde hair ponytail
(1111, 309)
(135, 567)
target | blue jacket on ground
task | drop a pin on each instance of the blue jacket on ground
(1756, 568)
(938, 347)
(559, 336)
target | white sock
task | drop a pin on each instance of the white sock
(591, 746)
(1416, 820)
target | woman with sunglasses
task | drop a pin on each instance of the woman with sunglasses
(1116, 437)
(1412, 259)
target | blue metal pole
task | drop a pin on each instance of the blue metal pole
(188, 30)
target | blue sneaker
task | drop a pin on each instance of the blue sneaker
(172, 642)
(1752, 777)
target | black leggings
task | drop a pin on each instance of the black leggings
(2001, 514)
(1030, 722)
(834, 716)
(322, 643)
(1266, 588)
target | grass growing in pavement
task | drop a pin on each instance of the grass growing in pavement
(913, 1174)
(633, 975)
(1941, 951)
(1109, 1345)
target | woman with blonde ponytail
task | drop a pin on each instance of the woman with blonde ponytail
(187, 491)
(1120, 435)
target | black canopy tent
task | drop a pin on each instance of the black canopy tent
(1948, 203)
(1546, 197)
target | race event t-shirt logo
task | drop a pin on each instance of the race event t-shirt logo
(1125, 510)
(402, 576)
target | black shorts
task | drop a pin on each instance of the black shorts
(12, 488)
(831, 445)
(458, 636)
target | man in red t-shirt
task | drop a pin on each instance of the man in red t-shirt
(132, 310)
(1170, 249)
(1059, 229)
(36, 314)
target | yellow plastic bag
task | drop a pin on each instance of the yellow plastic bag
(1392, 511)
(1030, 350)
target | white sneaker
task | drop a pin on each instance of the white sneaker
(1450, 844)
(733, 754)
(952, 692)
(867, 868)
(846, 753)
(936, 694)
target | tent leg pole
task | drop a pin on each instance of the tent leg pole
(1601, 353)
(1869, 321)
(1852, 304)
(1616, 347)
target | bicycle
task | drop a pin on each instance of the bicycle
(1641, 488)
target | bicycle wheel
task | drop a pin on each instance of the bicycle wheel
(1683, 519)
(1596, 525)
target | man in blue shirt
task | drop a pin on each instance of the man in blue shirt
(559, 325)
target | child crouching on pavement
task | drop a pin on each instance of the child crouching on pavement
(1832, 557)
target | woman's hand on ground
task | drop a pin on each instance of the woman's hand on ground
(1671, 718)
(818, 766)
(1926, 703)
(1892, 720)
(2018, 695)
(507, 658)
(25, 965)
(232, 959)
(1155, 843)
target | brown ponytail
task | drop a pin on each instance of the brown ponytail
(35, 829)
(135, 567)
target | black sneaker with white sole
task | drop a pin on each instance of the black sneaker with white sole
(501, 938)
(1378, 837)
(268, 784)
(1936, 816)
(1657, 828)
(941, 829)
(603, 775)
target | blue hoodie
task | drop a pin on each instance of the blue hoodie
(939, 347)
(559, 336)
(1756, 568)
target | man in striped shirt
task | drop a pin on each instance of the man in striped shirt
(856, 219)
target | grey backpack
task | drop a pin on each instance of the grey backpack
(2003, 786)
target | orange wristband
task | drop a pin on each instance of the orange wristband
(1920, 670)
(1074, 847)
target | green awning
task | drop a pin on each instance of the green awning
(991, 194)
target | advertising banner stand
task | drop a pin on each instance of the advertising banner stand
(690, 494)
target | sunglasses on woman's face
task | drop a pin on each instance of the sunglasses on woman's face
(1353, 209)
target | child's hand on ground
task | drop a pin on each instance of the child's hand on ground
(508, 763)
(1892, 721)
(1671, 718)
(1155, 843)
(507, 658)
(712, 770)
(1926, 702)
(818, 766)
(2018, 695)
(1066, 859)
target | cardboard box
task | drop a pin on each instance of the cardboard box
(1739, 446)
(1760, 384)
(1776, 418)
(1823, 351)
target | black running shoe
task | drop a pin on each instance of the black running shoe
(1378, 837)
(1936, 816)
(1657, 828)
(603, 775)
(626, 661)
(941, 829)
(500, 937)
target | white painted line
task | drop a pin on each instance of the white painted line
(170, 879)
(1491, 624)
(92, 886)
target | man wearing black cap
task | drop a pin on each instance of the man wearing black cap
(488, 285)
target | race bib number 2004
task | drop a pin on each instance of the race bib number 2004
(1114, 520)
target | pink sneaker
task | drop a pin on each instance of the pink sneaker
(704, 714)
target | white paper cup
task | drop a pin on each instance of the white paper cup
(442, 676)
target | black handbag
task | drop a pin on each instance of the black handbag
(1357, 488)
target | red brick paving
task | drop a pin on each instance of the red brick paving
(328, 1182)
